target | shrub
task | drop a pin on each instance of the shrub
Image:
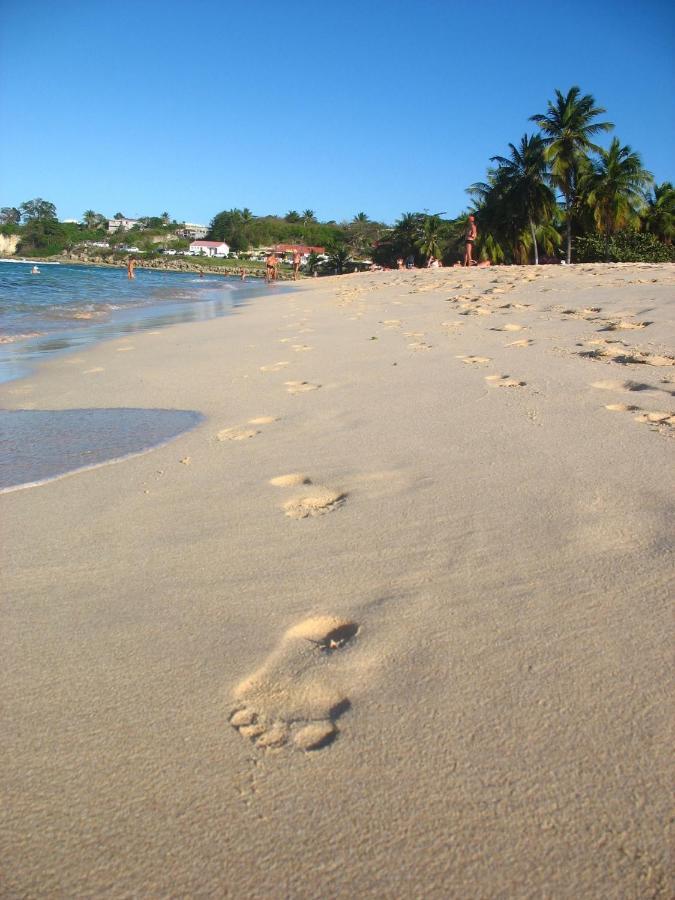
(624, 246)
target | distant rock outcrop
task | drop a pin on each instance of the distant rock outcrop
(8, 244)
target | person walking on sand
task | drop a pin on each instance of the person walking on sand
(297, 259)
(469, 238)
(131, 265)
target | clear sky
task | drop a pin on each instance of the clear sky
(192, 107)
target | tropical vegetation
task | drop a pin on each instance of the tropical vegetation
(554, 195)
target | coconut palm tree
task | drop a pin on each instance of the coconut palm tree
(292, 216)
(91, 219)
(523, 175)
(308, 216)
(568, 127)
(660, 212)
(429, 242)
(615, 188)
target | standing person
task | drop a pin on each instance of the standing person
(469, 238)
(131, 265)
(297, 259)
(271, 268)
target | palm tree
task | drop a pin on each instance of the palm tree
(360, 218)
(429, 242)
(338, 257)
(91, 219)
(615, 188)
(524, 172)
(660, 212)
(166, 218)
(292, 216)
(308, 216)
(568, 127)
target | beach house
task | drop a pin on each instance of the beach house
(193, 231)
(209, 248)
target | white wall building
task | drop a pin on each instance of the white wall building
(209, 248)
(123, 224)
(194, 231)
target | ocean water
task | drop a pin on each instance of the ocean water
(67, 307)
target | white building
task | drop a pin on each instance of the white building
(209, 248)
(194, 231)
(123, 224)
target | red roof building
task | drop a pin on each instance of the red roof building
(299, 248)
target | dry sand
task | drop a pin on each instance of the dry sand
(393, 622)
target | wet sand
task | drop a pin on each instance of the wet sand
(392, 621)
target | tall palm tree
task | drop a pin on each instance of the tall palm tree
(91, 219)
(568, 127)
(292, 216)
(361, 218)
(660, 212)
(166, 218)
(616, 187)
(429, 243)
(524, 173)
(308, 216)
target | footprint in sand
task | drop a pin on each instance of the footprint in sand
(477, 360)
(315, 500)
(274, 367)
(391, 323)
(621, 407)
(503, 381)
(511, 326)
(419, 345)
(236, 434)
(656, 418)
(296, 696)
(523, 342)
(301, 348)
(300, 387)
(263, 420)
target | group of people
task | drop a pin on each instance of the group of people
(272, 266)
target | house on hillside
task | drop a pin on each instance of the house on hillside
(209, 248)
(122, 224)
(193, 231)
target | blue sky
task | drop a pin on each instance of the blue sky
(384, 106)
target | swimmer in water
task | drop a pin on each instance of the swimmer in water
(35, 271)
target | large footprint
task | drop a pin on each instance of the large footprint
(295, 696)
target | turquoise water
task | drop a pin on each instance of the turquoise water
(68, 306)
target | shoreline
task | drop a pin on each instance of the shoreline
(411, 560)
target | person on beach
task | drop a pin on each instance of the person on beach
(297, 259)
(399, 263)
(131, 265)
(271, 268)
(469, 238)
(410, 262)
(242, 272)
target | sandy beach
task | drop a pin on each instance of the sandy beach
(392, 621)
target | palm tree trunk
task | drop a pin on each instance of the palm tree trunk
(568, 224)
(534, 241)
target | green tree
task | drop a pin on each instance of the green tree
(338, 258)
(10, 215)
(92, 219)
(119, 215)
(615, 188)
(292, 216)
(38, 210)
(429, 242)
(166, 218)
(660, 212)
(308, 216)
(568, 127)
(523, 174)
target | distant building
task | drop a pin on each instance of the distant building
(193, 231)
(302, 249)
(209, 248)
(122, 224)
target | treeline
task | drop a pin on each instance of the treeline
(41, 233)
(559, 193)
(243, 231)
